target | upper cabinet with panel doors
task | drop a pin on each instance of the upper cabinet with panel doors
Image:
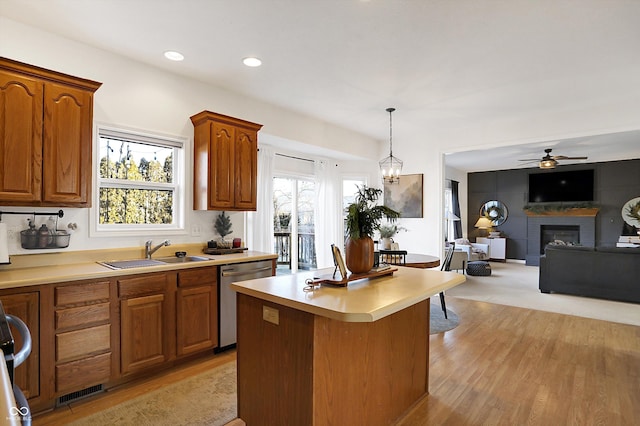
(225, 165)
(45, 136)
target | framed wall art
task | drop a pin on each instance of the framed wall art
(406, 196)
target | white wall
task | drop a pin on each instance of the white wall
(140, 97)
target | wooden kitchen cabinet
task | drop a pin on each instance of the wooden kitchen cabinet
(26, 307)
(225, 162)
(83, 341)
(197, 310)
(45, 137)
(147, 322)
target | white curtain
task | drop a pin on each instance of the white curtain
(260, 222)
(328, 209)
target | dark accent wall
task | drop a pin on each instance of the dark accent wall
(616, 182)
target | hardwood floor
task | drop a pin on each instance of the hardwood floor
(502, 365)
(512, 366)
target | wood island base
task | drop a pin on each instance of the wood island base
(299, 368)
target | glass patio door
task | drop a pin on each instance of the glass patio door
(294, 226)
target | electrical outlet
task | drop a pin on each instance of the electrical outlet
(271, 315)
(195, 230)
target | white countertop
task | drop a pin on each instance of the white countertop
(364, 300)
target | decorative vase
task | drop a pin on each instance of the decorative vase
(359, 254)
(385, 243)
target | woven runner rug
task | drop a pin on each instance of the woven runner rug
(206, 399)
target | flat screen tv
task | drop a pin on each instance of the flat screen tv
(546, 187)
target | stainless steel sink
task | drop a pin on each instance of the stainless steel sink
(184, 259)
(141, 263)
(135, 263)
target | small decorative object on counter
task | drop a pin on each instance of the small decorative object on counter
(223, 228)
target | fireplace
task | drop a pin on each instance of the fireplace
(559, 234)
(558, 228)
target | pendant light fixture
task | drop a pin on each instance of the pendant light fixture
(391, 166)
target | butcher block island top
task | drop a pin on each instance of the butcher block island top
(353, 355)
(363, 300)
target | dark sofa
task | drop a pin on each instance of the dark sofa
(602, 272)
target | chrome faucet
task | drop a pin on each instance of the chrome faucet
(148, 251)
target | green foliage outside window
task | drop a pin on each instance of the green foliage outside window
(135, 193)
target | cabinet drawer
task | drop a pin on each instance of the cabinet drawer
(82, 315)
(81, 374)
(198, 277)
(82, 294)
(152, 283)
(81, 343)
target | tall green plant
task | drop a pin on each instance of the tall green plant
(364, 215)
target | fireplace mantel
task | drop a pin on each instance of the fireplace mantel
(580, 212)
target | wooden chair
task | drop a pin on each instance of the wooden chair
(446, 266)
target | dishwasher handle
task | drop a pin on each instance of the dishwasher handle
(233, 273)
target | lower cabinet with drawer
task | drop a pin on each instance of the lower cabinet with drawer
(91, 335)
(83, 346)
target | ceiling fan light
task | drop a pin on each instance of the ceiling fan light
(548, 164)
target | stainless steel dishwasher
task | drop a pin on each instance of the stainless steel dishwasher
(227, 300)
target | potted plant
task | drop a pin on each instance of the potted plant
(387, 232)
(363, 219)
(223, 228)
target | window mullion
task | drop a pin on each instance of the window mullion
(136, 184)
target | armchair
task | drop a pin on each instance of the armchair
(459, 260)
(475, 251)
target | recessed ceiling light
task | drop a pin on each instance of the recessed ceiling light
(173, 55)
(252, 62)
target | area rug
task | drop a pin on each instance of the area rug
(206, 399)
(438, 323)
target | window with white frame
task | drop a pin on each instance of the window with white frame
(139, 181)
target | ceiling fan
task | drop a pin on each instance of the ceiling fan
(551, 161)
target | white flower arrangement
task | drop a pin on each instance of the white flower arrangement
(389, 231)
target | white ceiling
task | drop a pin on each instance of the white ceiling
(442, 63)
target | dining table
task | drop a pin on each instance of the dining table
(413, 260)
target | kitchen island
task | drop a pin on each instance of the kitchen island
(335, 355)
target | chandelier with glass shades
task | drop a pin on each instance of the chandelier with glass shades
(391, 166)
